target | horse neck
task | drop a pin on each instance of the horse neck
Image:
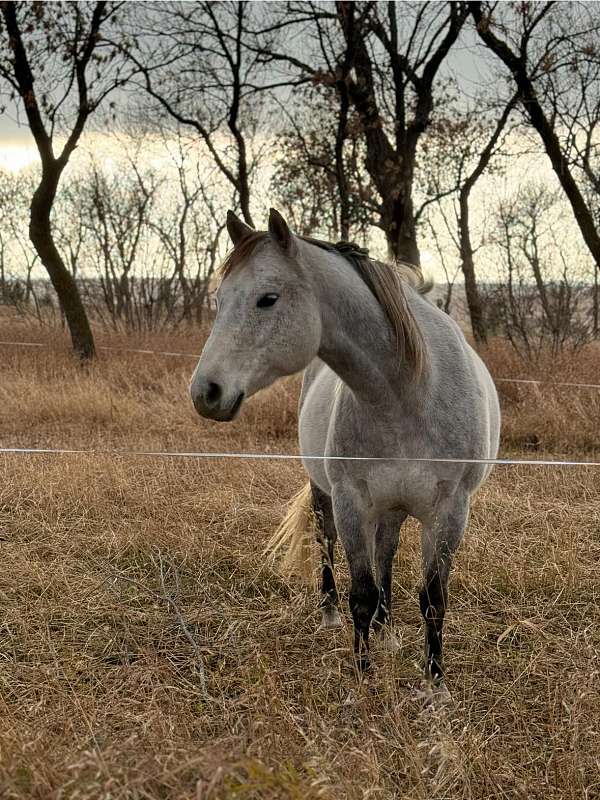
(355, 339)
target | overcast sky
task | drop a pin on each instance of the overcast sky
(469, 62)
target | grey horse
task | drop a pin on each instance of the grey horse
(388, 378)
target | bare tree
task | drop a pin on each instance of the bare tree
(18, 258)
(142, 237)
(572, 92)
(117, 210)
(319, 180)
(466, 245)
(9, 204)
(450, 272)
(191, 60)
(71, 226)
(543, 299)
(54, 59)
(387, 58)
(460, 148)
(189, 228)
(534, 43)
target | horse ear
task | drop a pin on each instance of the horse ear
(237, 229)
(279, 230)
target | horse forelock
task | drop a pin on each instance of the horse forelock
(385, 282)
(240, 252)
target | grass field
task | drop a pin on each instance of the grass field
(148, 651)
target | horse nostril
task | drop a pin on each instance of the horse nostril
(213, 394)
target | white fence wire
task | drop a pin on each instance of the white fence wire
(209, 454)
(295, 456)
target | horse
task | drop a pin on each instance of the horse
(391, 388)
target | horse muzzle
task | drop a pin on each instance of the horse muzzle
(211, 401)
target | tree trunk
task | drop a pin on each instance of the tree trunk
(468, 269)
(244, 186)
(398, 219)
(340, 167)
(596, 303)
(583, 215)
(464, 228)
(40, 233)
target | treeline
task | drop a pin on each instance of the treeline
(140, 239)
(369, 119)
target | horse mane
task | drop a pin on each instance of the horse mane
(385, 282)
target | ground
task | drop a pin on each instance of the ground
(149, 650)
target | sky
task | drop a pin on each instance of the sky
(468, 62)
(108, 150)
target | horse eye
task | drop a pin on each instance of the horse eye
(267, 300)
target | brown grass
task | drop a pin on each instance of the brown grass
(104, 558)
(546, 417)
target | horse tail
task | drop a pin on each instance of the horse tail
(297, 534)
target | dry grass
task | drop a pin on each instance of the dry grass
(118, 572)
(549, 417)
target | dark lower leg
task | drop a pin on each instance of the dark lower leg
(364, 597)
(383, 615)
(351, 505)
(329, 595)
(439, 542)
(433, 598)
(387, 536)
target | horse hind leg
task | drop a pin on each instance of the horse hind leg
(439, 541)
(326, 536)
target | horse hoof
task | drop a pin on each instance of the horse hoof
(391, 642)
(435, 694)
(351, 698)
(386, 640)
(330, 619)
(440, 698)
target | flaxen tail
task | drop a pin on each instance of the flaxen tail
(296, 535)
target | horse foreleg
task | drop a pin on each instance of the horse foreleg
(386, 544)
(439, 540)
(356, 531)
